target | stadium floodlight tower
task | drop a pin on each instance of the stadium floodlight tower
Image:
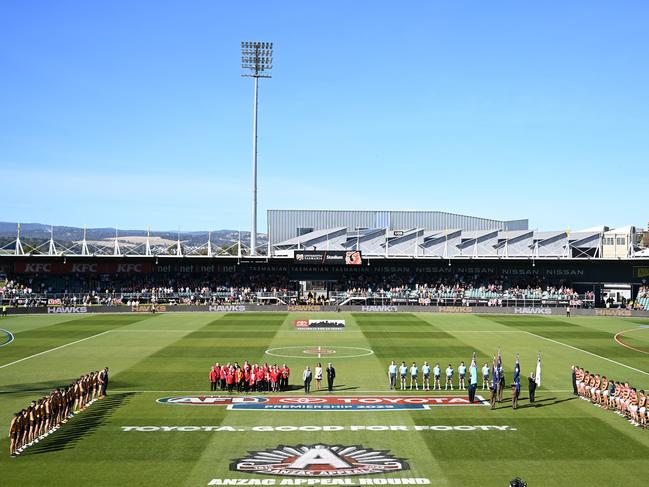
(256, 62)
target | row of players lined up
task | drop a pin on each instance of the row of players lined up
(412, 373)
(609, 394)
(43, 417)
(249, 377)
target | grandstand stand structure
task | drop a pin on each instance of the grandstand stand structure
(437, 235)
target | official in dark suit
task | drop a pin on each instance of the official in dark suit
(331, 375)
(574, 380)
(307, 376)
(532, 387)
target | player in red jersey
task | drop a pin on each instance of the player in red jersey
(286, 372)
(274, 374)
(229, 379)
(222, 376)
(213, 378)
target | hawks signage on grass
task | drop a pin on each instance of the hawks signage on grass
(227, 308)
(330, 403)
(67, 309)
(532, 311)
(379, 309)
(319, 324)
(319, 461)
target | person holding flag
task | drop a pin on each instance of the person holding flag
(532, 385)
(535, 380)
(473, 379)
(516, 391)
(517, 368)
(516, 386)
(495, 380)
(501, 378)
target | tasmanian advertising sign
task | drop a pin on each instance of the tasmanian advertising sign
(334, 257)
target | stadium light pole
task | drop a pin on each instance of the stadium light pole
(256, 62)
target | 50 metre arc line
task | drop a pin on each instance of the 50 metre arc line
(9, 335)
(618, 340)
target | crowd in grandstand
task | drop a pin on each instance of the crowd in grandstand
(248, 377)
(616, 396)
(46, 415)
(251, 288)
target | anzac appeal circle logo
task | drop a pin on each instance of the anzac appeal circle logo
(319, 461)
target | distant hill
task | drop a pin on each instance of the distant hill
(37, 233)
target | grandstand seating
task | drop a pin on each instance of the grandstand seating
(642, 300)
(458, 290)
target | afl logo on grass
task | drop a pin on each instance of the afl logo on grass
(319, 461)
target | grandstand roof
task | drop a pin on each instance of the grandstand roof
(421, 242)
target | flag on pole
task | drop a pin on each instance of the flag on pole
(500, 359)
(538, 371)
(517, 368)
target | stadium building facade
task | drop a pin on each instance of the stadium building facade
(331, 250)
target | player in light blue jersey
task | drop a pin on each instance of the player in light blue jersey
(437, 372)
(449, 377)
(403, 372)
(461, 370)
(414, 373)
(425, 370)
(485, 377)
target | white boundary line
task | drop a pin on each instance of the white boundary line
(589, 353)
(11, 337)
(54, 349)
(351, 393)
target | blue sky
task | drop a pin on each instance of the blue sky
(131, 114)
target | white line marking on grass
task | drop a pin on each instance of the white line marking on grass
(11, 337)
(397, 331)
(291, 393)
(619, 342)
(589, 353)
(54, 349)
(159, 331)
(383, 392)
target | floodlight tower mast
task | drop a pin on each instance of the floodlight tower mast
(256, 62)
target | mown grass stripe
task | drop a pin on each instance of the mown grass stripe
(589, 353)
(53, 349)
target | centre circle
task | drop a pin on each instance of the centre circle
(340, 352)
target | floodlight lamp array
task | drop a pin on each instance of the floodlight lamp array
(257, 57)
